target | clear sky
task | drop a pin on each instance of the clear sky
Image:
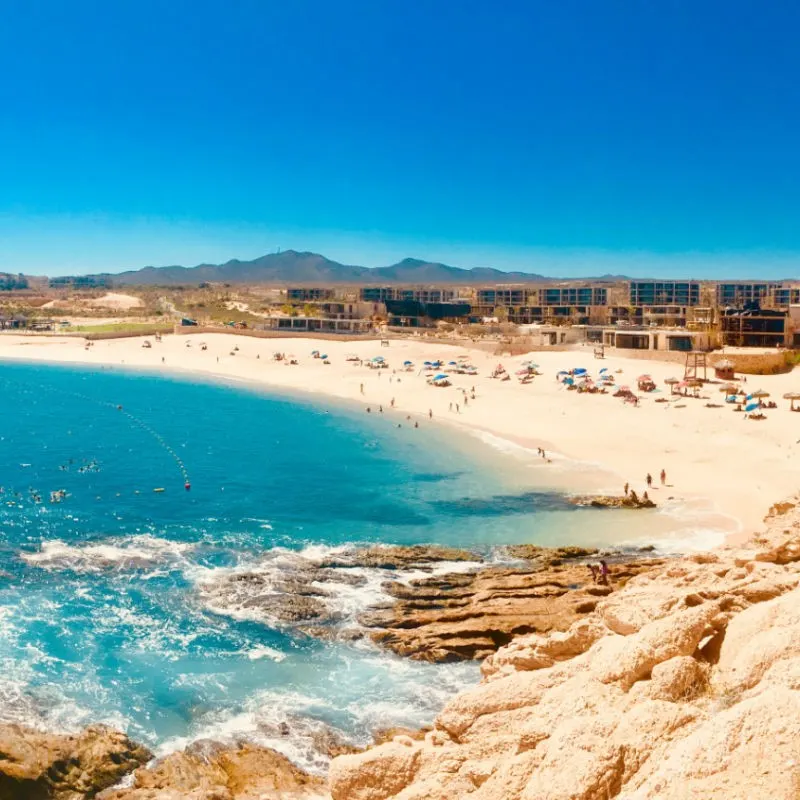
(569, 137)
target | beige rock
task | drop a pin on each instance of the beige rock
(207, 771)
(684, 684)
(64, 766)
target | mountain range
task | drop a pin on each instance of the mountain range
(294, 267)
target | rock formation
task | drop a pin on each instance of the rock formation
(612, 501)
(464, 616)
(683, 684)
(422, 608)
(35, 765)
(207, 771)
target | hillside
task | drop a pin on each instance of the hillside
(294, 267)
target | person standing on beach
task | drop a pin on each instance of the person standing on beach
(649, 480)
(430, 413)
(392, 402)
(663, 477)
(604, 573)
(627, 486)
(362, 388)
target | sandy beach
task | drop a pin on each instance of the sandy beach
(739, 466)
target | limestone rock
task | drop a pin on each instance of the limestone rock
(207, 771)
(465, 616)
(683, 683)
(64, 766)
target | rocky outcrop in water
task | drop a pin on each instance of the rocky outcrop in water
(612, 501)
(37, 766)
(426, 602)
(208, 771)
(466, 616)
(683, 684)
(303, 592)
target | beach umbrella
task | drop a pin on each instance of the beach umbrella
(751, 407)
(605, 369)
(409, 363)
(579, 371)
(758, 393)
(440, 377)
(729, 388)
(562, 372)
(792, 396)
(452, 364)
(324, 356)
(644, 378)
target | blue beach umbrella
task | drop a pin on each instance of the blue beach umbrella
(605, 369)
(440, 376)
(751, 407)
(579, 371)
(409, 363)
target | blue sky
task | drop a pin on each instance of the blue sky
(567, 138)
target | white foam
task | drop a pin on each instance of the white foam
(128, 553)
(262, 651)
(343, 598)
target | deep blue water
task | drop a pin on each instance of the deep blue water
(101, 618)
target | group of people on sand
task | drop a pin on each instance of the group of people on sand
(649, 481)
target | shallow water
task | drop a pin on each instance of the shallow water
(102, 616)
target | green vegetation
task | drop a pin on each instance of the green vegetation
(9, 282)
(120, 327)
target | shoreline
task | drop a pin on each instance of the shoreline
(596, 431)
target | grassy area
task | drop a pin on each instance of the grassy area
(120, 327)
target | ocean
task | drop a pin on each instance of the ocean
(109, 562)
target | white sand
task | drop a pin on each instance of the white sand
(739, 465)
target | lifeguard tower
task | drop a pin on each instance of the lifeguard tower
(696, 367)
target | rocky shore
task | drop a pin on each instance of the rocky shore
(683, 684)
(679, 680)
(424, 602)
(461, 616)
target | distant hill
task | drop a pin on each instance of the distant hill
(292, 267)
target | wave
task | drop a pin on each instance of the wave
(132, 552)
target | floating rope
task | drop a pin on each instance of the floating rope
(134, 420)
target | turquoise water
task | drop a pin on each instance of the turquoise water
(103, 616)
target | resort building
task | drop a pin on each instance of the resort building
(380, 294)
(738, 295)
(416, 314)
(755, 327)
(664, 293)
(315, 325)
(640, 338)
(306, 295)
